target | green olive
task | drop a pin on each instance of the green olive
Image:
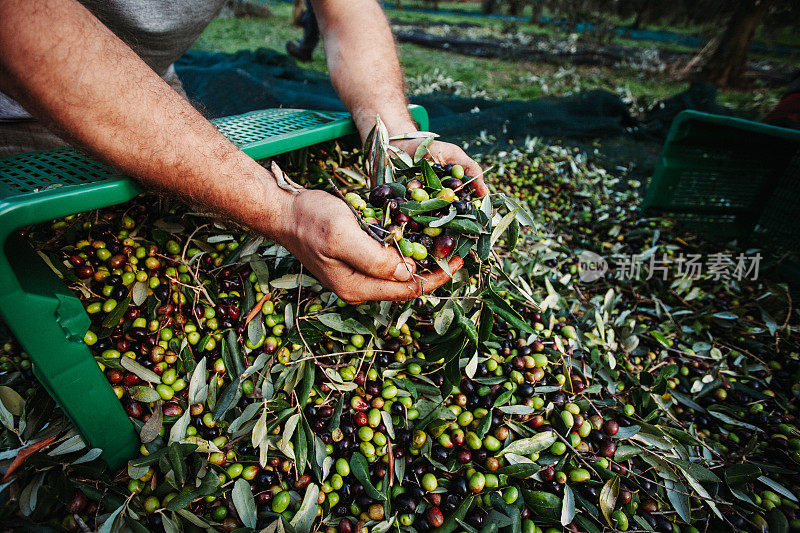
(579, 475)
(235, 470)
(342, 468)
(429, 482)
(477, 482)
(418, 250)
(281, 502)
(165, 391)
(621, 520)
(219, 513)
(419, 195)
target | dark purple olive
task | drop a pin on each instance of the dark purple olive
(452, 183)
(461, 206)
(379, 195)
(443, 246)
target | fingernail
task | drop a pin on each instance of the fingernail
(402, 272)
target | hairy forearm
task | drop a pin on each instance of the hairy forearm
(77, 77)
(363, 63)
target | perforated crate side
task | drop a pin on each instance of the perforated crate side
(251, 127)
(37, 171)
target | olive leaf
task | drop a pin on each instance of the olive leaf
(143, 373)
(741, 473)
(678, 495)
(303, 520)
(108, 525)
(443, 319)
(257, 365)
(513, 235)
(501, 227)
(193, 518)
(198, 390)
(30, 495)
(178, 430)
(283, 181)
(422, 149)
(208, 485)
(387, 421)
(567, 506)
(704, 495)
(415, 135)
(472, 366)
(520, 470)
(430, 177)
(139, 292)
(261, 270)
(202, 445)
(301, 446)
(143, 394)
(169, 525)
(292, 281)
(517, 409)
(444, 265)
(540, 441)
(360, 470)
(451, 214)
(288, 433)
(306, 383)
(337, 323)
(608, 498)
(260, 429)
(244, 502)
(151, 428)
(136, 471)
(255, 330)
(522, 214)
(89, 456)
(11, 400)
(777, 487)
(71, 444)
(413, 208)
(228, 397)
(355, 175)
(232, 355)
(453, 521)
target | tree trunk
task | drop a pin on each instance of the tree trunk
(727, 61)
(536, 11)
(637, 22)
(514, 7)
(488, 6)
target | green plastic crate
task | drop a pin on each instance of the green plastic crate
(728, 178)
(44, 315)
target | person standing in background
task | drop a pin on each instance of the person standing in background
(304, 50)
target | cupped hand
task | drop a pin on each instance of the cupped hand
(444, 153)
(321, 231)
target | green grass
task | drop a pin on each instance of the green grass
(786, 36)
(501, 79)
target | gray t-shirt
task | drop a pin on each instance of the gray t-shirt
(160, 31)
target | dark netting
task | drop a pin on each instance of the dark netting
(227, 84)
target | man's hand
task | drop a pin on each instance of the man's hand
(444, 153)
(320, 231)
